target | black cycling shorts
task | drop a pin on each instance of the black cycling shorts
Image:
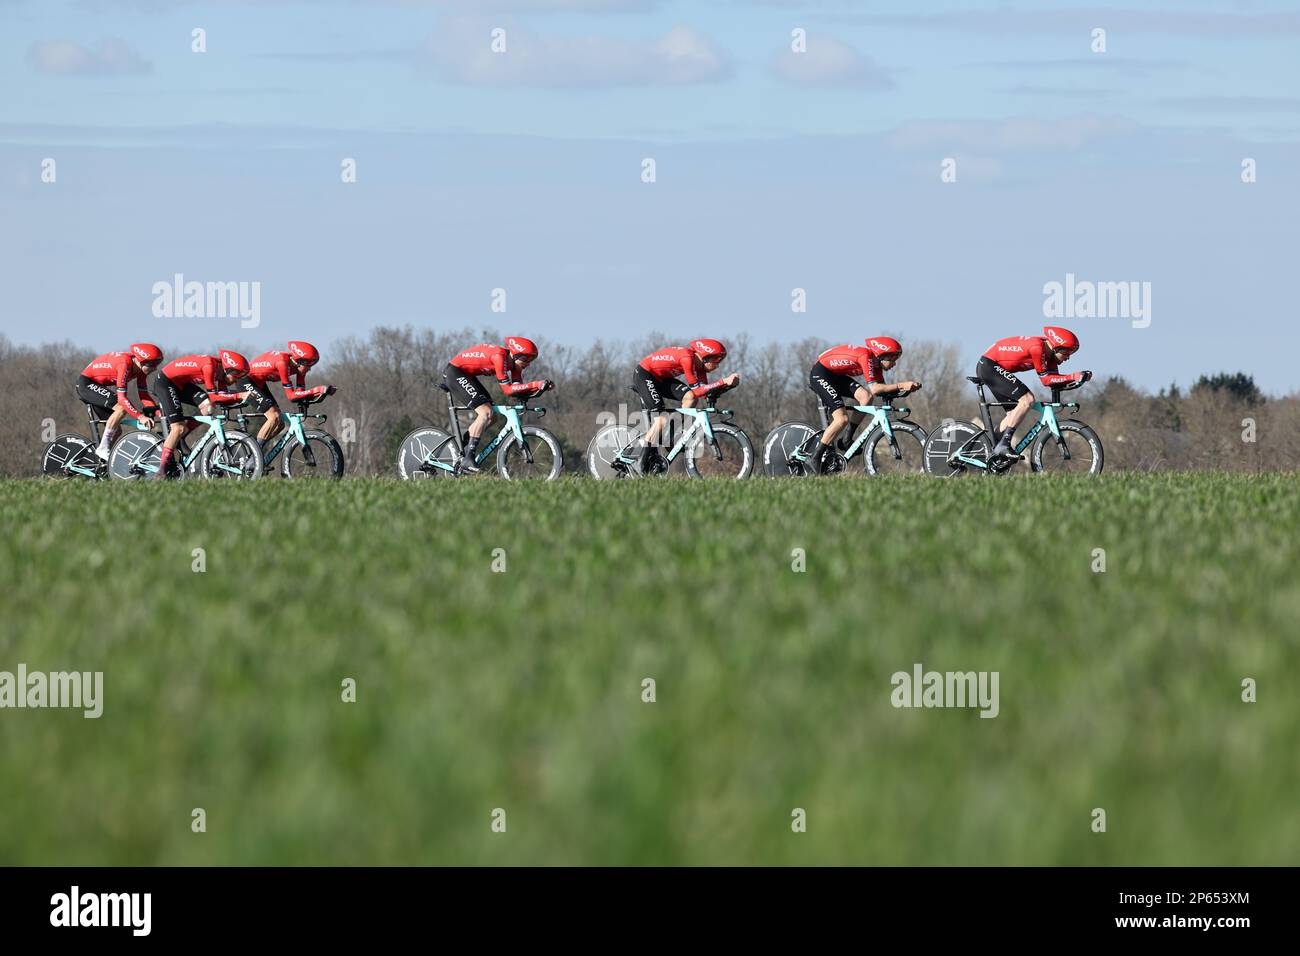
(259, 396)
(466, 389)
(831, 388)
(652, 391)
(172, 398)
(1003, 384)
(102, 398)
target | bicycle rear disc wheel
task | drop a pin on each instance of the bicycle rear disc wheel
(67, 451)
(416, 458)
(779, 448)
(950, 438)
(547, 459)
(134, 456)
(604, 449)
(1086, 456)
(734, 448)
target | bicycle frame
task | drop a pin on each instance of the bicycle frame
(293, 430)
(216, 429)
(702, 421)
(1047, 417)
(879, 417)
(512, 427)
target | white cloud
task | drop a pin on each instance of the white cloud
(830, 62)
(461, 52)
(109, 57)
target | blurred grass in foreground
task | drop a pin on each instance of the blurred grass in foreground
(522, 690)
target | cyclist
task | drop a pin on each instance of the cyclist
(658, 373)
(118, 370)
(832, 381)
(282, 366)
(201, 380)
(1020, 353)
(506, 365)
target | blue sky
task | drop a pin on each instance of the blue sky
(775, 170)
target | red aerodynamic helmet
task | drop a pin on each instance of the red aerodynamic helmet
(1059, 338)
(304, 352)
(147, 352)
(233, 364)
(518, 345)
(882, 346)
(709, 350)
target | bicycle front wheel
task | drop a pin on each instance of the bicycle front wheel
(1078, 452)
(731, 457)
(239, 456)
(878, 456)
(321, 457)
(540, 458)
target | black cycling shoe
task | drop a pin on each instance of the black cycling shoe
(817, 460)
(1003, 449)
(466, 466)
(652, 463)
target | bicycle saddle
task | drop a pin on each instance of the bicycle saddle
(972, 379)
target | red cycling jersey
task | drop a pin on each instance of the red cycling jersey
(1020, 353)
(673, 361)
(205, 371)
(487, 359)
(118, 369)
(853, 360)
(277, 366)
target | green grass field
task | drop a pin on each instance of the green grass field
(522, 690)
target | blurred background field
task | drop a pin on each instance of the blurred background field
(522, 690)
